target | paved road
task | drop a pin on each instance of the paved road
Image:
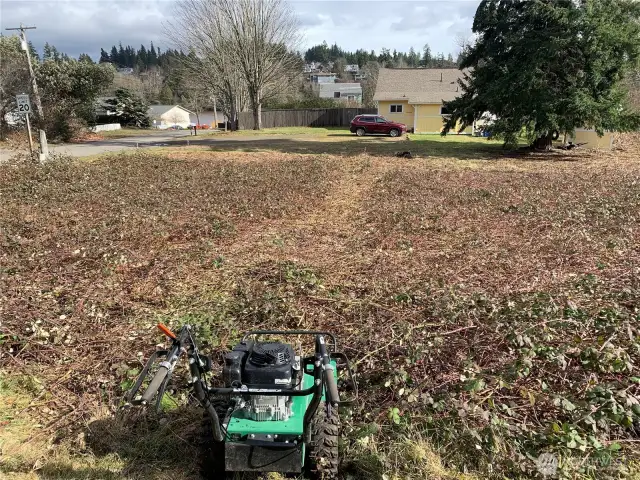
(119, 144)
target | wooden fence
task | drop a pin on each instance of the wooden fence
(313, 117)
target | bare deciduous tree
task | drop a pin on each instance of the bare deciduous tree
(246, 45)
(152, 81)
(197, 94)
(210, 58)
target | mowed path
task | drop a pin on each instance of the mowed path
(327, 236)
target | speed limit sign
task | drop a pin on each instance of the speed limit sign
(24, 105)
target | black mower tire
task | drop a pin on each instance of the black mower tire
(322, 453)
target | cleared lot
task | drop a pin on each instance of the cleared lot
(490, 303)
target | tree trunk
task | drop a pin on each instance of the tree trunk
(256, 108)
(197, 117)
(215, 113)
(543, 143)
(234, 115)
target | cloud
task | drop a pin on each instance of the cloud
(85, 26)
(434, 14)
(310, 19)
(75, 27)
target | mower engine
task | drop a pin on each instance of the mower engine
(262, 365)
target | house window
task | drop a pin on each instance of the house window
(336, 94)
(444, 110)
(395, 108)
(351, 98)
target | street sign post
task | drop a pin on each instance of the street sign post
(24, 107)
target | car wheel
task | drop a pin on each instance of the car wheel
(360, 132)
(394, 133)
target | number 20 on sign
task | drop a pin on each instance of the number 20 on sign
(24, 105)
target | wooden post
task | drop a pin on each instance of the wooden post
(29, 133)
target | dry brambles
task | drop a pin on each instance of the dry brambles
(491, 306)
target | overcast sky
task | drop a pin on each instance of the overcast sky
(77, 26)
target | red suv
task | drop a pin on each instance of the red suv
(363, 124)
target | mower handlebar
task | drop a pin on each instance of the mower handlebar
(154, 386)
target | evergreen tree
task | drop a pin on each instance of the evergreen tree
(113, 57)
(153, 58)
(85, 58)
(412, 59)
(426, 55)
(47, 53)
(142, 57)
(122, 57)
(166, 95)
(104, 56)
(33, 52)
(563, 60)
(129, 109)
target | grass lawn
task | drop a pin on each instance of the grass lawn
(340, 141)
(489, 303)
(316, 131)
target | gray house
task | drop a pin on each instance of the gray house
(347, 92)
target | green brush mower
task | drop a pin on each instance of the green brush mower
(278, 409)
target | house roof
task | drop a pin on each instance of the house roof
(158, 110)
(418, 85)
(355, 88)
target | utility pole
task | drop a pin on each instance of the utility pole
(44, 150)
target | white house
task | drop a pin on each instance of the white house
(323, 77)
(349, 92)
(167, 116)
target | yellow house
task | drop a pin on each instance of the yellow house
(414, 96)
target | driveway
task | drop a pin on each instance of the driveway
(173, 139)
(109, 144)
(118, 144)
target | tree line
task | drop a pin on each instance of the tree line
(139, 59)
(323, 53)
